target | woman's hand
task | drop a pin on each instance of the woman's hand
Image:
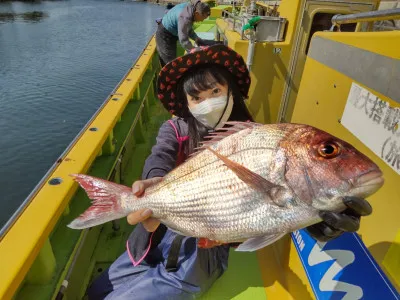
(335, 224)
(144, 215)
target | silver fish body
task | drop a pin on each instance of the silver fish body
(257, 180)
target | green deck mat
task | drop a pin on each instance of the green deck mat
(242, 280)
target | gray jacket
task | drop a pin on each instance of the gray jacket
(179, 22)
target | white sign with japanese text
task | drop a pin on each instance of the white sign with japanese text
(375, 123)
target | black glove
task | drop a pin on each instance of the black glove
(334, 224)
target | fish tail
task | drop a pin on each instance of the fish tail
(106, 201)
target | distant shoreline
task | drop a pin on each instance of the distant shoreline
(165, 2)
(30, 1)
(27, 16)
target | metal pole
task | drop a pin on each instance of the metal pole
(250, 53)
(253, 7)
(369, 16)
(64, 285)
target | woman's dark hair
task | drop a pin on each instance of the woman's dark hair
(201, 78)
(169, 5)
(203, 9)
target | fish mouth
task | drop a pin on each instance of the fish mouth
(369, 183)
(370, 178)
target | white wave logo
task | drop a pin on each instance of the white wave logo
(342, 259)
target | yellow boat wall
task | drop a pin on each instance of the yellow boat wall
(350, 88)
(308, 78)
(278, 66)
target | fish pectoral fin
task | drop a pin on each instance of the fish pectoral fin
(249, 177)
(281, 196)
(259, 242)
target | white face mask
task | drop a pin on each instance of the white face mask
(213, 112)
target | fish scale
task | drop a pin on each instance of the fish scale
(253, 186)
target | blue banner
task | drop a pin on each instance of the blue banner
(342, 268)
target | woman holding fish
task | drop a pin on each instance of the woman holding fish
(205, 89)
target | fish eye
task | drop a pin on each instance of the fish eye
(329, 150)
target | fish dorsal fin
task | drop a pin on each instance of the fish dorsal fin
(242, 125)
(221, 133)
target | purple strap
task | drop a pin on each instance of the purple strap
(180, 140)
